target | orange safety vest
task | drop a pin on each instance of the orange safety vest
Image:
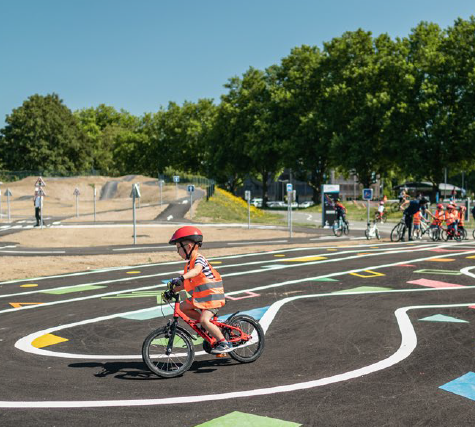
(417, 218)
(204, 293)
(450, 218)
(439, 217)
(461, 218)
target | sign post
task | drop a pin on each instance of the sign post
(160, 184)
(289, 205)
(191, 189)
(135, 194)
(0, 202)
(77, 193)
(8, 193)
(176, 180)
(367, 195)
(247, 196)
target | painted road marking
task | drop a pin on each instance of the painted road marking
(372, 274)
(305, 259)
(442, 318)
(463, 386)
(406, 348)
(22, 304)
(29, 285)
(133, 272)
(443, 272)
(434, 284)
(253, 289)
(46, 340)
(363, 289)
(69, 290)
(241, 419)
(249, 295)
(441, 259)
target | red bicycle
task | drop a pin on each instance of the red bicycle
(169, 351)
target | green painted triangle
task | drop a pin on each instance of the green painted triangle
(442, 318)
(246, 420)
(73, 289)
(362, 289)
(324, 279)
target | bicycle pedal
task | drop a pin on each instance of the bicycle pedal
(220, 355)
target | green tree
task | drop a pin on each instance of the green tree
(43, 135)
(299, 98)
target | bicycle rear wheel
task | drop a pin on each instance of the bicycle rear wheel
(245, 351)
(177, 362)
(397, 232)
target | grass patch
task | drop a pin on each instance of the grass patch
(225, 207)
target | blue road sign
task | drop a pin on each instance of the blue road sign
(367, 193)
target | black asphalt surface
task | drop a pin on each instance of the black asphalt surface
(318, 335)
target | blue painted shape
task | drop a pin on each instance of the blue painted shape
(257, 313)
(150, 314)
(463, 386)
(442, 318)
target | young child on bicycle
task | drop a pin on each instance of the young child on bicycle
(202, 282)
(380, 214)
(340, 211)
(451, 219)
(461, 218)
(438, 217)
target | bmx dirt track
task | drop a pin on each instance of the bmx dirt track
(356, 335)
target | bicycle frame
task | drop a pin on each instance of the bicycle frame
(193, 324)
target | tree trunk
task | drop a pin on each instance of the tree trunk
(265, 177)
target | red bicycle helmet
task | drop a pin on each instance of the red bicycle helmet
(187, 233)
(440, 206)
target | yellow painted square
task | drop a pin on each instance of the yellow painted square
(470, 257)
(441, 259)
(279, 255)
(332, 250)
(372, 274)
(46, 340)
(133, 272)
(365, 253)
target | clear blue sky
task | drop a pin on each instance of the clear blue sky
(140, 54)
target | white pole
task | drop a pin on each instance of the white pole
(191, 205)
(77, 210)
(94, 203)
(249, 214)
(176, 190)
(8, 203)
(290, 217)
(161, 186)
(0, 205)
(133, 206)
(368, 213)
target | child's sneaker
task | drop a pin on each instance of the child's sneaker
(222, 347)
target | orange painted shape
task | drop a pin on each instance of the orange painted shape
(21, 304)
(29, 285)
(47, 339)
(441, 259)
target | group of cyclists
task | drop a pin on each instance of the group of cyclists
(416, 214)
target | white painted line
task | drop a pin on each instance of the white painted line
(33, 252)
(143, 248)
(257, 243)
(407, 346)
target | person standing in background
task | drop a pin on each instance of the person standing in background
(38, 203)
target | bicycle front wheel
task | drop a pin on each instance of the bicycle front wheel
(346, 229)
(245, 351)
(154, 353)
(336, 231)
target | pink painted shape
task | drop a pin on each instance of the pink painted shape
(471, 306)
(434, 284)
(406, 265)
(250, 295)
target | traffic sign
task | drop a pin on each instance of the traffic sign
(247, 195)
(8, 193)
(191, 188)
(176, 178)
(135, 191)
(39, 182)
(160, 183)
(367, 193)
(77, 192)
(289, 187)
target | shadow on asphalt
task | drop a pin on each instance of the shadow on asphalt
(139, 371)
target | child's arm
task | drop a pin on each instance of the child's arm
(188, 275)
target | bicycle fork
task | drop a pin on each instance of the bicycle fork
(171, 335)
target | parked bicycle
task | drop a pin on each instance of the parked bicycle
(340, 227)
(169, 351)
(372, 231)
(435, 233)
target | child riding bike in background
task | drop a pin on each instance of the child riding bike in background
(202, 282)
(461, 219)
(438, 217)
(451, 219)
(340, 211)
